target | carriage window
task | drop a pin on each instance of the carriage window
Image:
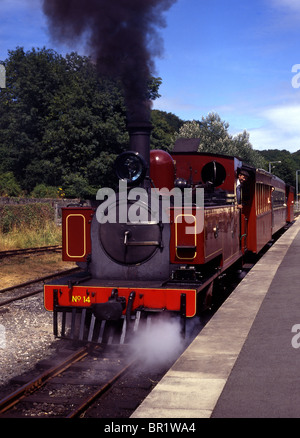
(278, 198)
(263, 198)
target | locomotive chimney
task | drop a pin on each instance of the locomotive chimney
(139, 133)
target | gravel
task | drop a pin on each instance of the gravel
(26, 336)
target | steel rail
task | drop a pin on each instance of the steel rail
(20, 297)
(13, 252)
(12, 399)
(98, 393)
(37, 280)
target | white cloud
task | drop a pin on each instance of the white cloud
(179, 106)
(280, 130)
(287, 117)
(275, 127)
(286, 14)
(293, 5)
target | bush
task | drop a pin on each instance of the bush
(9, 185)
(44, 191)
(25, 216)
(76, 186)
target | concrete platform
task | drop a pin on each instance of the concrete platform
(242, 364)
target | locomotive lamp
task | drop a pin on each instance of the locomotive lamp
(131, 167)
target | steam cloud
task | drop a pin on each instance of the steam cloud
(122, 38)
(158, 345)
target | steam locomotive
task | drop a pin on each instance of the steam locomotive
(159, 244)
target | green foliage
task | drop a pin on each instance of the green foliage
(246, 152)
(164, 127)
(215, 138)
(77, 186)
(56, 117)
(153, 87)
(8, 185)
(61, 125)
(20, 216)
(43, 191)
(100, 172)
(286, 170)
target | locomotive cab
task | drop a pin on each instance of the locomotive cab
(219, 244)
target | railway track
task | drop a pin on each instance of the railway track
(17, 288)
(92, 382)
(14, 252)
(75, 389)
(68, 387)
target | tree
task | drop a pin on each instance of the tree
(246, 151)
(60, 123)
(153, 88)
(287, 167)
(56, 116)
(43, 191)
(8, 185)
(164, 127)
(215, 138)
(23, 106)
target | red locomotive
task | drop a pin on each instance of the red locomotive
(135, 263)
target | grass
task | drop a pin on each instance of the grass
(27, 237)
(19, 269)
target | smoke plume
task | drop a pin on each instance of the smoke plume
(122, 38)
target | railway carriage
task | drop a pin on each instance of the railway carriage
(290, 197)
(135, 268)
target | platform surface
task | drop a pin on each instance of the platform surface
(243, 363)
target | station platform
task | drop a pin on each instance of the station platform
(245, 363)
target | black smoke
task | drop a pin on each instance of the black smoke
(122, 38)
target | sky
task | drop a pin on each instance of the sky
(238, 58)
